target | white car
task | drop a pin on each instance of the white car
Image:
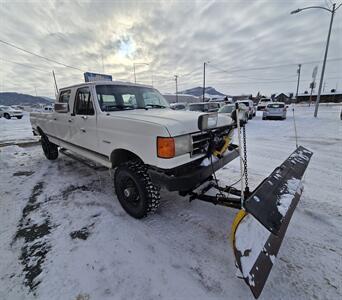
(275, 110)
(178, 106)
(250, 107)
(9, 112)
(230, 108)
(204, 106)
(130, 127)
(263, 103)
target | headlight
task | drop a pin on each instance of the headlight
(169, 147)
(183, 144)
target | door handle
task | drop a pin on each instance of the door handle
(84, 117)
(83, 130)
(55, 119)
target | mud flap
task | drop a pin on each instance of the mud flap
(259, 231)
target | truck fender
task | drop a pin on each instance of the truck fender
(119, 156)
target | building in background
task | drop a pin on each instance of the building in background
(284, 97)
(326, 97)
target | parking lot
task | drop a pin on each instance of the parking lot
(63, 232)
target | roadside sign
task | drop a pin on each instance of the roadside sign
(96, 77)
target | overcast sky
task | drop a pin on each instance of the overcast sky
(173, 37)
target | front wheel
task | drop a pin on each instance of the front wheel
(135, 190)
(7, 116)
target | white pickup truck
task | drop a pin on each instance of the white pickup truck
(130, 128)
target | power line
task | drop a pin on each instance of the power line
(40, 56)
(271, 66)
(24, 65)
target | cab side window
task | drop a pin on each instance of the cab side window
(83, 102)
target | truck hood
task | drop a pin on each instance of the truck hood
(176, 122)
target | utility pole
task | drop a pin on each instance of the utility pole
(204, 64)
(176, 80)
(135, 77)
(298, 72)
(103, 70)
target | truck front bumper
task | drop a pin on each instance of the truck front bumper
(189, 176)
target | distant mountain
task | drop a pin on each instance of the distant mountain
(22, 99)
(198, 91)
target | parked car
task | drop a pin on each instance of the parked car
(229, 108)
(263, 103)
(178, 106)
(204, 106)
(48, 108)
(250, 107)
(276, 110)
(9, 112)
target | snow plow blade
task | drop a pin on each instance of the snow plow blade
(259, 230)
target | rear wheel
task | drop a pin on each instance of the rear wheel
(19, 117)
(50, 149)
(7, 116)
(135, 190)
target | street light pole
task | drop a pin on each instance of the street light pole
(204, 64)
(176, 80)
(324, 62)
(332, 11)
(135, 77)
(298, 72)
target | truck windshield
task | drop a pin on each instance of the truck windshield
(125, 97)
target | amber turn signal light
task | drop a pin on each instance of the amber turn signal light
(166, 147)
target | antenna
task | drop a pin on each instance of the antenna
(54, 78)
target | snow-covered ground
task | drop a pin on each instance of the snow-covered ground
(16, 130)
(65, 236)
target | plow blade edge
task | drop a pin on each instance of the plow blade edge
(259, 231)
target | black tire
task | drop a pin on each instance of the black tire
(137, 194)
(19, 117)
(264, 118)
(50, 149)
(7, 116)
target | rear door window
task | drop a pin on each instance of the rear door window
(83, 102)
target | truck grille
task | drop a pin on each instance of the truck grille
(200, 140)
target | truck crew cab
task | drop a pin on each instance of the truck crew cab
(131, 128)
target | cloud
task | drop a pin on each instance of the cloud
(173, 37)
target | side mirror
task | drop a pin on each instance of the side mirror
(61, 107)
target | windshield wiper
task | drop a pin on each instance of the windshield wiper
(154, 106)
(117, 107)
